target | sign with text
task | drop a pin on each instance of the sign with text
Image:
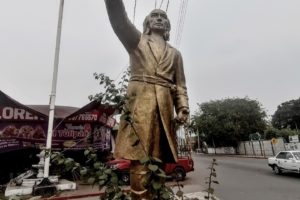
(21, 128)
(14, 113)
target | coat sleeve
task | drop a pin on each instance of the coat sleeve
(124, 29)
(181, 97)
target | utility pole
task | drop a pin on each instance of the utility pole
(198, 140)
(53, 92)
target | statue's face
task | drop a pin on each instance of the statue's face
(158, 20)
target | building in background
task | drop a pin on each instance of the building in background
(24, 127)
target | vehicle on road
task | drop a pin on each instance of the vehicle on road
(177, 170)
(285, 161)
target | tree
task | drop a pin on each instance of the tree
(287, 115)
(228, 121)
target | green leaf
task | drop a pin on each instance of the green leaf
(216, 182)
(69, 161)
(145, 160)
(210, 190)
(74, 168)
(108, 171)
(83, 171)
(156, 185)
(214, 174)
(101, 182)
(157, 160)
(109, 189)
(91, 180)
(93, 156)
(153, 168)
(179, 193)
(162, 171)
(86, 152)
(99, 173)
(163, 175)
(166, 195)
(60, 161)
(53, 155)
(118, 195)
(114, 180)
(97, 165)
(77, 164)
(103, 177)
(68, 167)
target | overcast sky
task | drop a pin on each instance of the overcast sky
(231, 48)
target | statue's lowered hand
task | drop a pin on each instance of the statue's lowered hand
(182, 115)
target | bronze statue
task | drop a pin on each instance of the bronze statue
(156, 87)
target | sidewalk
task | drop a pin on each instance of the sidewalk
(87, 192)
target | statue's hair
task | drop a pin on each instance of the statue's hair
(147, 30)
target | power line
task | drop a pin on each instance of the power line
(180, 22)
(162, 1)
(179, 28)
(167, 5)
(134, 11)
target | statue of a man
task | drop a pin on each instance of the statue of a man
(156, 87)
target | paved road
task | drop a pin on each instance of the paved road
(246, 179)
(241, 179)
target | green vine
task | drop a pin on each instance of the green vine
(96, 172)
(210, 180)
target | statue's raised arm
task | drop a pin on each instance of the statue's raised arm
(124, 29)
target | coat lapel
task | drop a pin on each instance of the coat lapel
(165, 55)
(153, 49)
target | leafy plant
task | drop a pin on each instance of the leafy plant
(93, 172)
(210, 180)
(62, 165)
(155, 179)
(112, 94)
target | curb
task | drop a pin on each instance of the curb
(198, 195)
(74, 196)
(78, 196)
(233, 155)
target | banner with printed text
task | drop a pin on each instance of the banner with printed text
(21, 127)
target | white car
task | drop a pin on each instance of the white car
(285, 161)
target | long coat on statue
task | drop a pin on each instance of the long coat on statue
(156, 88)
